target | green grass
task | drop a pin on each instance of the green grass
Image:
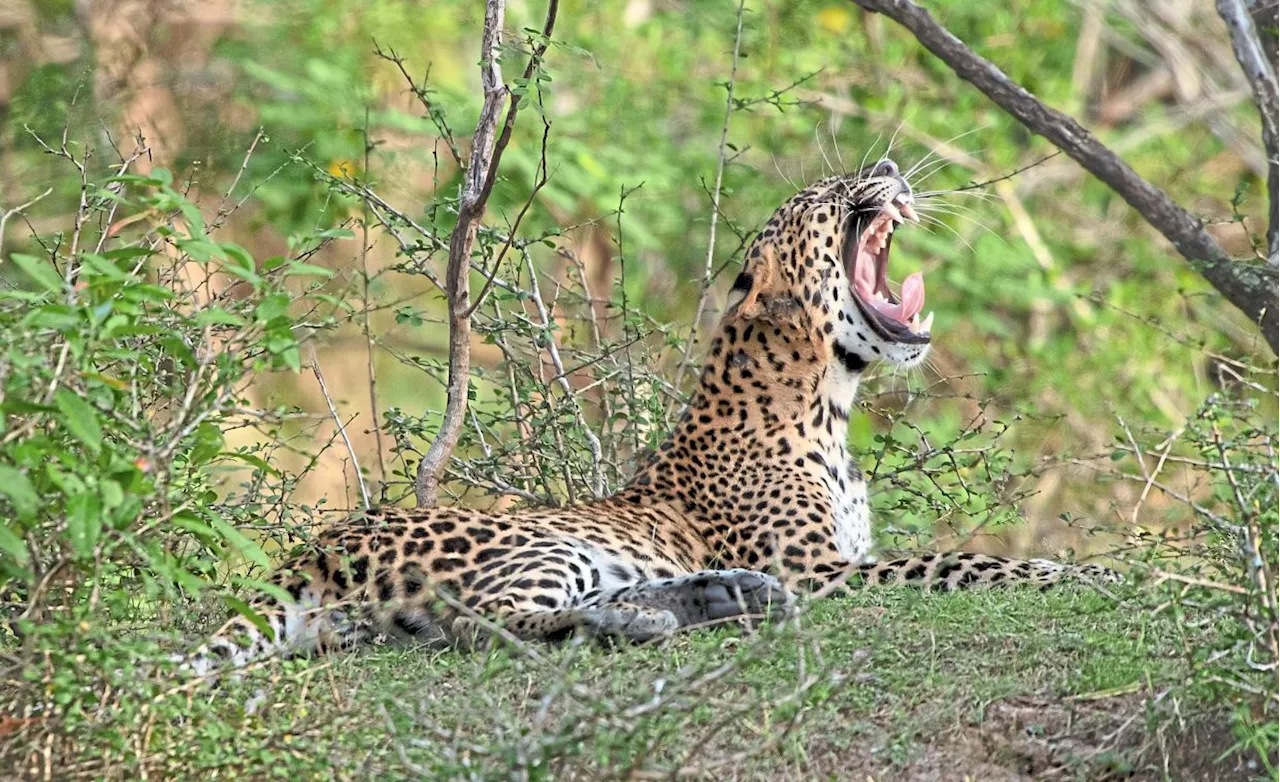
(891, 684)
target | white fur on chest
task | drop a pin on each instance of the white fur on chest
(849, 508)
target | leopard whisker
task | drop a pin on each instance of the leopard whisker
(940, 223)
(893, 139)
(974, 221)
(940, 145)
(831, 128)
(862, 165)
(988, 197)
(817, 138)
(785, 178)
(929, 171)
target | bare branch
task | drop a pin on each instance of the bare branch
(457, 283)
(19, 209)
(1250, 287)
(224, 205)
(482, 172)
(562, 379)
(1260, 73)
(541, 182)
(434, 113)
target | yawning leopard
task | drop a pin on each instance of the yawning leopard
(751, 499)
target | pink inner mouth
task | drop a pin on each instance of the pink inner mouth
(870, 265)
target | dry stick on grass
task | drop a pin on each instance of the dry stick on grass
(1250, 287)
(482, 172)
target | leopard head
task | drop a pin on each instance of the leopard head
(820, 265)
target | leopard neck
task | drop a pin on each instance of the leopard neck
(766, 397)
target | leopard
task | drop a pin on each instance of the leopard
(751, 502)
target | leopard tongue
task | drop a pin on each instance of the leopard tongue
(911, 299)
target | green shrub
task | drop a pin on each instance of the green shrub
(126, 345)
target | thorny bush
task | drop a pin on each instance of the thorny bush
(127, 343)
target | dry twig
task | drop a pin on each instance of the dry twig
(342, 428)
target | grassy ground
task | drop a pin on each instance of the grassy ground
(885, 684)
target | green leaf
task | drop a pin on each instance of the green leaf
(67, 483)
(164, 565)
(239, 541)
(195, 220)
(26, 296)
(191, 524)
(84, 523)
(246, 274)
(256, 461)
(301, 269)
(80, 418)
(39, 270)
(243, 609)
(15, 485)
(128, 510)
(271, 590)
(127, 253)
(179, 349)
(112, 494)
(208, 444)
(238, 254)
(147, 292)
(96, 265)
(201, 249)
(13, 546)
(272, 307)
(58, 317)
(22, 407)
(211, 316)
(292, 358)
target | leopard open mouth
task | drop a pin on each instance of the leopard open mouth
(895, 317)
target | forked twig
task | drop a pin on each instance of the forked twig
(342, 428)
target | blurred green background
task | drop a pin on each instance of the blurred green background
(1058, 310)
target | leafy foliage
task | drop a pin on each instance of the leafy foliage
(122, 378)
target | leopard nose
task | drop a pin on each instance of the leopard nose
(885, 168)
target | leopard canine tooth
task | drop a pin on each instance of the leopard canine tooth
(910, 213)
(894, 215)
(927, 323)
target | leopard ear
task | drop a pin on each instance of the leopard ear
(748, 297)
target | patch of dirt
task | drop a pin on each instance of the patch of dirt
(1028, 739)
